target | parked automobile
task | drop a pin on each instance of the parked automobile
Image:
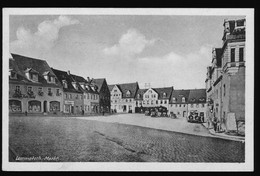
(195, 117)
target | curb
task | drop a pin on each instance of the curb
(233, 138)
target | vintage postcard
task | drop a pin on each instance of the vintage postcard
(109, 89)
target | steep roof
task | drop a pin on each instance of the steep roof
(197, 96)
(132, 87)
(99, 82)
(111, 87)
(160, 91)
(178, 94)
(141, 93)
(21, 64)
(63, 75)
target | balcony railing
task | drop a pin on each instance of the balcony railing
(233, 64)
(235, 37)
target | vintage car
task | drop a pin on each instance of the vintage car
(195, 117)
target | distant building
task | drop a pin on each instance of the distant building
(183, 101)
(33, 87)
(122, 97)
(225, 81)
(104, 94)
(73, 95)
(153, 97)
(179, 102)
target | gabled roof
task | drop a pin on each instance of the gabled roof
(111, 87)
(160, 91)
(141, 93)
(99, 82)
(21, 64)
(132, 87)
(48, 73)
(63, 75)
(178, 94)
(197, 96)
(30, 70)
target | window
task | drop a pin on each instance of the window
(17, 88)
(84, 96)
(176, 105)
(184, 105)
(232, 54)
(13, 75)
(147, 101)
(70, 96)
(65, 85)
(81, 97)
(58, 92)
(197, 105)
(49, 92)
(115, 90)
(161, 102)
(240, 23)
(49, 78)
(66, 95)
(126, 100)
(180, 105)
(156, 102)
(151, 101)
(183, 99)
(88, 96)
(164, 94)
(165, 101)
(174, 99)
(202, 105)
(224, 87)
(138, 96)
(128, 93)
(29, 89)
(241, 54)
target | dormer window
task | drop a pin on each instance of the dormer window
(192, 100)
(12, 74)
(31, 74)
(49, 77)
(174, 99)
(138, 96)
(202, 99)
(83, 86)
(183, 100)
(75, 85)
(65, 84)
(128, 93)
(164, 95)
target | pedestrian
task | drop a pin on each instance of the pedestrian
(215, 121)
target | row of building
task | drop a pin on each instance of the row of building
(35, 87)
(225, 82)
(130, 98)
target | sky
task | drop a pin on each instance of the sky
(164, 50)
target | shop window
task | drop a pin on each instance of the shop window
(34, 106)
(54, 106)
(15, 106)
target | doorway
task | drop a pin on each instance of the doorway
(45, 106)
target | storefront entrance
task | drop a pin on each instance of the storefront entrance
(45, 106)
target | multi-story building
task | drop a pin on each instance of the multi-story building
(91, 95)
(179, 102)
(157, 97)
(185, 100)
(73, 95)
(123, 97)
(104, 94)
(230, 84)
(197, 101)
(33, 87)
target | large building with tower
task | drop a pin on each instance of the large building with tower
(225, 82)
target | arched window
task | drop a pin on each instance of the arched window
(15, 106)
(34, 106)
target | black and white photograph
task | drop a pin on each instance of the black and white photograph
(117, 89)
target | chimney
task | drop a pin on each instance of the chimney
(68, 72)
